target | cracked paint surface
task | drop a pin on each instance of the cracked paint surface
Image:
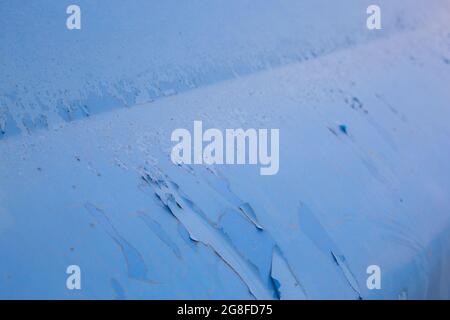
(86, 176)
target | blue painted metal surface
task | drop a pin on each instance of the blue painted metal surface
(86, 179)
